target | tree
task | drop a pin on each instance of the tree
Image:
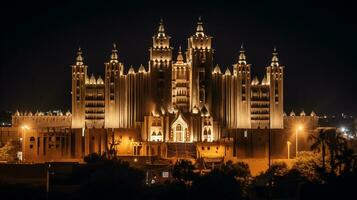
(335, 143)
(112, 152)
(183, 171)
(102, 177)
(238, 170)
(216, 185)
(307, 164)
(8, 152)
(241, 172)
(320, 144)
(347, 160)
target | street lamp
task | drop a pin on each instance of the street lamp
(288, 143)
(299, 128)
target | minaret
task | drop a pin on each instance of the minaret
(113, 88)
(241, 74)
(160, 65)
(200, 58)
(275, 78)
(79, 75)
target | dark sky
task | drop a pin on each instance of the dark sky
(316, 42)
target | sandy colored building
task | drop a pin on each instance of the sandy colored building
(175, 107)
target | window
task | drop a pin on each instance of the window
(32, 139)
(203, 148)
(31, 146)
(178, 127)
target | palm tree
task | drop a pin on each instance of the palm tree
(319, 144)
(335, 143)
(346, 160)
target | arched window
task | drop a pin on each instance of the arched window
(178, 127)
(209, 131)
(205, 132)
(32, 139)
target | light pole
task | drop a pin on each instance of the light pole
(288, 143)
(299, 128)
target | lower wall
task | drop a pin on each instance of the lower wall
(62, 144)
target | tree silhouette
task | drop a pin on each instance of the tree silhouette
(183, 171)
(320, 144)
(339, 154)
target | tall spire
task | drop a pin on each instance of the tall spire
(179, 55)
(274, 60)
(161, 32)
(79, 59)
(199, 29)
(114, 55)
(242, 57)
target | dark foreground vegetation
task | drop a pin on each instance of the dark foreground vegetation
(327, 172)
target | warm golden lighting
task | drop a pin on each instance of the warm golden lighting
(25, 127)
(300, 127)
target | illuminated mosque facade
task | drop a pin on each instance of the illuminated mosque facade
(186, 99)
(179, 105)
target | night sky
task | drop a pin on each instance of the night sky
(316, 42)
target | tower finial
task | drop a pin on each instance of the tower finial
(242, 57)
(161, 28)
(114, 55)
(79, 59)
(199, 29)
(179, 56)
(274, 60)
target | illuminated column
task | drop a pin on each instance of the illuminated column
(229, 106)
(79, 75)
(113, 72)
(131, 76)
(275, 75)
(142, 94)
(241, 71)
(217, 92)
(160, 68)
(200, 56)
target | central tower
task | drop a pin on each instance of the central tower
(200, 58)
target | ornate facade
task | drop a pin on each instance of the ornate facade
(183, 100)
(188, 88)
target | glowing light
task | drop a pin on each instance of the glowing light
(300, 128)
(25, 127)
